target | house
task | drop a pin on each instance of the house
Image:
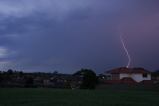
(129, 75)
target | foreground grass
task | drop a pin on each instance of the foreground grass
(52, 97)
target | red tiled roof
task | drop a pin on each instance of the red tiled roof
(128, 70)
(139, 70)
(119, 70)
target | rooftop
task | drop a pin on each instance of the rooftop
(128, 70)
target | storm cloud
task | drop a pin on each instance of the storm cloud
(66, 35)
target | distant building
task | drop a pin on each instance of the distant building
(129, 75)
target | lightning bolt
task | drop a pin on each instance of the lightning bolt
(126, 51)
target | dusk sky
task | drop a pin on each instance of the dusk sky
(67, 35)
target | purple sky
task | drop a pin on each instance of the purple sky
(67, 35)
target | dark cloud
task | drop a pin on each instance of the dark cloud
(67, 36)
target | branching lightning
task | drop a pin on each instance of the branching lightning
(126, 50)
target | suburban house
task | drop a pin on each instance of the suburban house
(129, 75)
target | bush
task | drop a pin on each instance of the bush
(89, 79)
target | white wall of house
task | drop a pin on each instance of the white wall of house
(136, 77)
(139, 77)
(124, 75)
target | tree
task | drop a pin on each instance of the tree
(10, 71)
(89, 78)
(21, 73)
(55, 72)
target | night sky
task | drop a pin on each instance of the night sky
(67, 35)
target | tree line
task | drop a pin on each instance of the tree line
(82, 79)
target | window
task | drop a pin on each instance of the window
(144, 75)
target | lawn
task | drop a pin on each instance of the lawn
(52, 97)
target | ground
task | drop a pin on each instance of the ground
(54, 97)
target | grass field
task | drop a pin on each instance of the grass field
(52, 97)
